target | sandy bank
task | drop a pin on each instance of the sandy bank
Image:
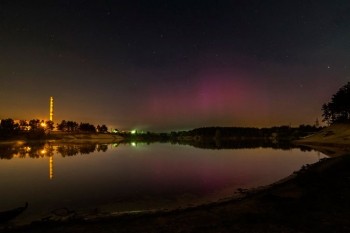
(332, 141)
(335, 135)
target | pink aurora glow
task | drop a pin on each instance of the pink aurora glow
(211, 97)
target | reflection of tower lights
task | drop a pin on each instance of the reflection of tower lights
(51, 108)
(51, 168)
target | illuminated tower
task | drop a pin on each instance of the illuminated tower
(51, 108)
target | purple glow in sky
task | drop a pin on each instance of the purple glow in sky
(171, 65)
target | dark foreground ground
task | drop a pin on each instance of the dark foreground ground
(317, 199)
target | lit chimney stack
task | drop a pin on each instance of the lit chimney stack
(51, 108)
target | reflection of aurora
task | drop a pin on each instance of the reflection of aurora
(48, 150)
(40, 150)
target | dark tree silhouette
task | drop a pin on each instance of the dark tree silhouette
(8, 125)
(69, 126)
(338, 109)
(49, 125)
(62, 126)
(36, 131)
(72, 126)
(34, 124)
(8, 128)
(102, 129)
(23, 125)
(86, 127)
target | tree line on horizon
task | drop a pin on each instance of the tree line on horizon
(35, 128)
(72, 126)
(335, 111)
(249, 133)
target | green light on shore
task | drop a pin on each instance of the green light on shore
(133, 131)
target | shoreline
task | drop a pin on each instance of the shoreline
(247, 210)
(69, 138)
(313, 199)
(332, 141)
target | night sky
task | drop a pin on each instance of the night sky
(173, 65)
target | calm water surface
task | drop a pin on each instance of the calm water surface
(107, 178)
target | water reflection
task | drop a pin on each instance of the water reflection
(130, 178)
(42, 149)
(39, 150)
(243, 144)
(51, 168)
